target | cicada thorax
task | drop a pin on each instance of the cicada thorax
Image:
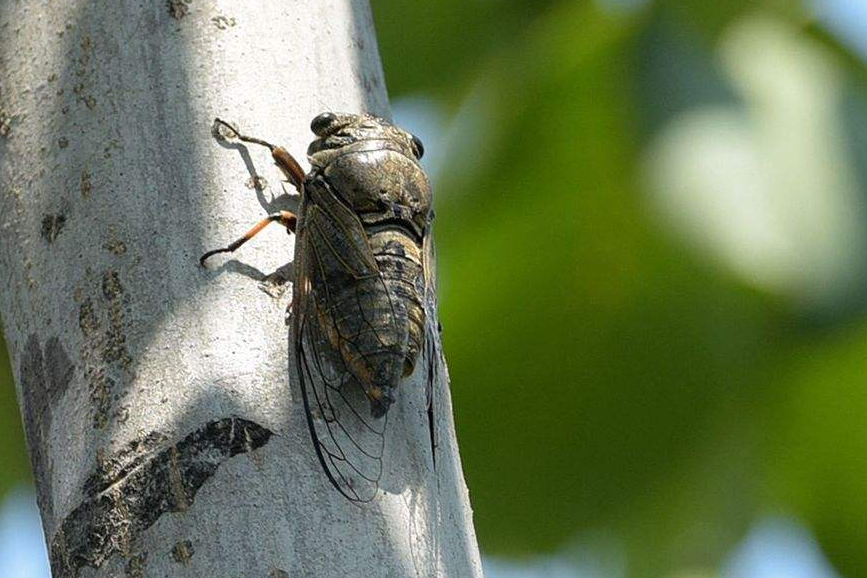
(370, 290)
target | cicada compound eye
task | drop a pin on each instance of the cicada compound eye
(322, 122)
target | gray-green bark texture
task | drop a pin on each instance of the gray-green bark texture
(165, 427)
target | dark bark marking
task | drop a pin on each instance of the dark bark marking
(87, 321)
(182, 552)
(105, 355)
(277, 573)
(5, 124)
(147, 478)
(114, 347)
(223, 22)
(178, 8)
(99, 384)
(52, 226)
(44, 377)
(111, 287)
(110, 471)
(114, 244)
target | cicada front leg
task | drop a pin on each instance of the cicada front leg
(285, 218)
(292, 171)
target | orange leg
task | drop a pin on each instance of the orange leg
(285, 218)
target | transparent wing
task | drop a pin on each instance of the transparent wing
(348, 440)
(432, 346)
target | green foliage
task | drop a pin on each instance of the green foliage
(608, 375)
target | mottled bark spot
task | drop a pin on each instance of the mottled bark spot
(114, 347)
(182, 552)
(5, 124)
(178, 8)
(104, 354)
(114, 244)
(129, 491)
(52, 225)
(223, 22)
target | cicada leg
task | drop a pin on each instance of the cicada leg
(285, 218)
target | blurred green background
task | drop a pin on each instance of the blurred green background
(652, 234)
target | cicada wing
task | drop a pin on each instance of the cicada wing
(349, 442)
(433, 355)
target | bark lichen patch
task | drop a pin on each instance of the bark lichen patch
(114, 346)
(99, 384)
(182, 552)
(87, 321)
(44, 374)
(84, 56)
(114, 244)
(131, 490)
(52, 226)
(104, 352)
(82, 70)
(111, 287)
(178, 8)
(5, 124)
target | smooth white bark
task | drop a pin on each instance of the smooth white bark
(166, 430)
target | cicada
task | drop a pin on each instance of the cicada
(363, 308)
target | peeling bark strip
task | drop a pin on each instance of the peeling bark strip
(143, 481)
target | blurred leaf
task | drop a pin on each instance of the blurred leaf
(589, 347)
(711, 17)
(818, 466)
(436, 46)
(675, 72)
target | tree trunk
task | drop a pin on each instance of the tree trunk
(166, 430)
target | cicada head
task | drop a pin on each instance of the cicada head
(339, 132)
(374, 166)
